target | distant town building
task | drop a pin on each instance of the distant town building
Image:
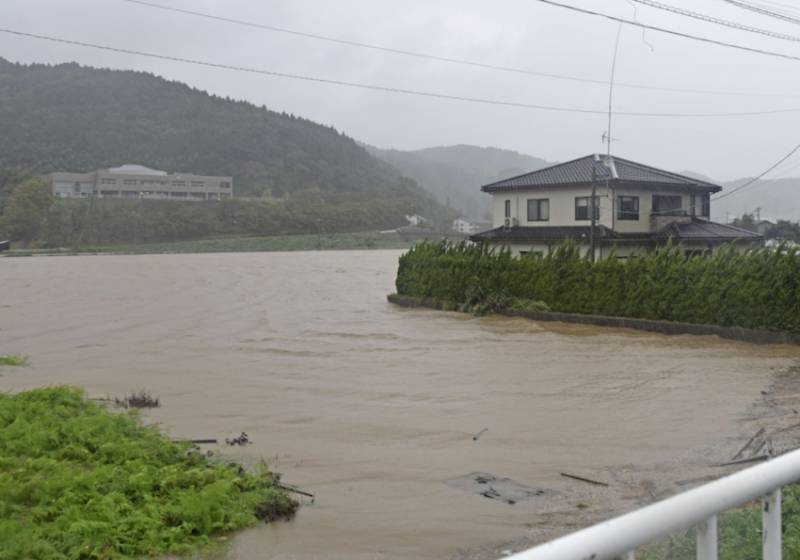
(136, 181)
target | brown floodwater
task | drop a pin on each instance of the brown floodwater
(367, 405)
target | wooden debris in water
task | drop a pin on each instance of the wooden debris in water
(584, 479)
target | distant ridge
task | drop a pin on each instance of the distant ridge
(456, 173)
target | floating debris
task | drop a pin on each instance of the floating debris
(496, 488)
(241, 440)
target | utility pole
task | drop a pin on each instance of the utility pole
(593, 210)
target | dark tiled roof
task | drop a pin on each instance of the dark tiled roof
(702, 230)
(696, 230)
(543, 234)
(618, 170)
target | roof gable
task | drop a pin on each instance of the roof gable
(607, 168)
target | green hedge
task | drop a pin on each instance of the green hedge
(757, 289)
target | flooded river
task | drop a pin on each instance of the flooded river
(367, 405)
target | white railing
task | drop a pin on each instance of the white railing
(620, 537)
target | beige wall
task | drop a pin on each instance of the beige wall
(562, 207)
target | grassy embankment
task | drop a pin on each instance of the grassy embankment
(329, 242)
(80, 482)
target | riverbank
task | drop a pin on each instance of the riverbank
(771, 421)
(329, 242)
(80, 481)
(662, 327)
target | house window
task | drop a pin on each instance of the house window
(106, 181)
(628, 208)
(178, 183)
(582, 205)
(130, 182)
(667, 205)
(198, 183)
(508, 208)
(538, 209)
(225, 185)
(701, 205)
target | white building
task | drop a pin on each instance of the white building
(637, 207)
(136, 181)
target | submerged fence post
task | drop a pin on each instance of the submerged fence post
(707, 539)
(771, 525)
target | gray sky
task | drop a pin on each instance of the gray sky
(522, 34)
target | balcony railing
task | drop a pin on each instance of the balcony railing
(620, 537)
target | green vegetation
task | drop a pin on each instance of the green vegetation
(759, 289)
(80, 482)
(26, 210)
(739, 534)
(13, 360)
(134, 222)
(328, 242)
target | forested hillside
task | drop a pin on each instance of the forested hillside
(456, 173)
(73, 118)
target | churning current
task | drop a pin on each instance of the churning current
(369, 406)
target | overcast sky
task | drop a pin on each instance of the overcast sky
(521, 34)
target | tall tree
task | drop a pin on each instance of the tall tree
(26, 210)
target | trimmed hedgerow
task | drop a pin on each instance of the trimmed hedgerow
(757, 289)
(80, 482)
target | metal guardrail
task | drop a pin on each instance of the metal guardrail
(620, 537)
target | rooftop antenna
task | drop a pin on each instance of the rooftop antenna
(607, 137)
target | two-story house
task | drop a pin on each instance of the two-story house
(636, 208)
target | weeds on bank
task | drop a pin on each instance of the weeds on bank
(739, 534)
(13, 360)
(142, 399)
(79, 482)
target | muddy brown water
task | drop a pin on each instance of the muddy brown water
(368, 405)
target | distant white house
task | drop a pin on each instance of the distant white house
(465, 226)
(415, 220)
(764, 225)
(462, 226)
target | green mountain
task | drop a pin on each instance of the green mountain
(454, 174)
(73, 118)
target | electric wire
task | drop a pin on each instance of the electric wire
(451, 60)
(717, 21)
(395, 90)
(669, 31)
(762, 11)
(750, 182)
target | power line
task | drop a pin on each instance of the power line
(395, 90)
(762, 11)
(717, 21)
(670, 32)
(449, 60)
(750, 182)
